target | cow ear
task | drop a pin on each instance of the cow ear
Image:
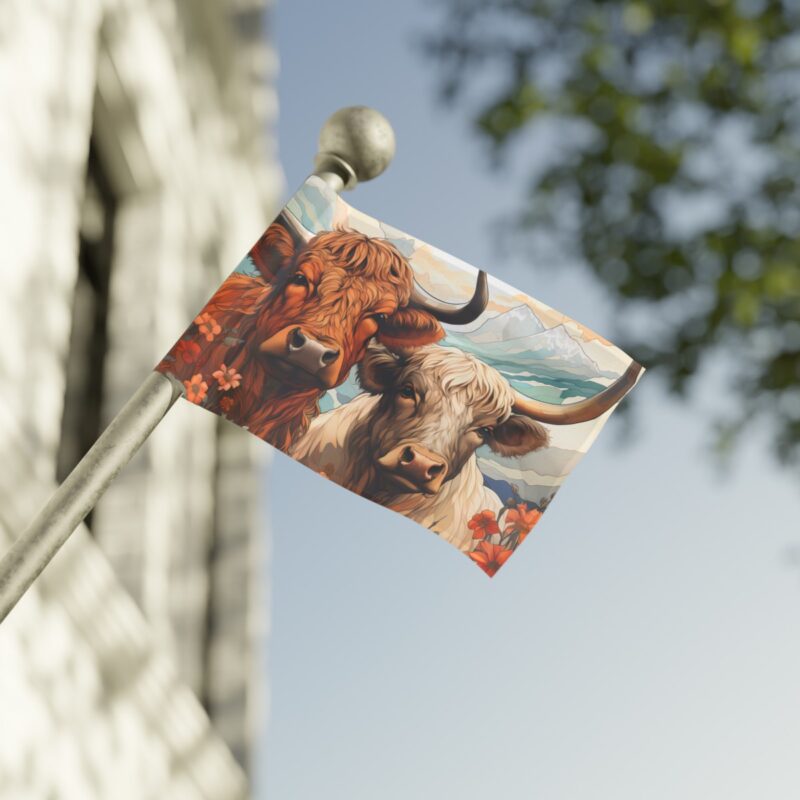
(410, 327)
(518, 436)
(274, 250)
(378, 369)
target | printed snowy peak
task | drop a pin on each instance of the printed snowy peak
(401, 373)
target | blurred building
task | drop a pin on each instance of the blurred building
(136, 168)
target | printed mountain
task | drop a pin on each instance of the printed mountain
(514, 324)
(519, 345)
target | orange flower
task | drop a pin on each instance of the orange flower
(483, 524)
(208, 326)
(490, 557)
(521, 520)
(187, 351)
(196, 388)
(227, 377)
(226, 404)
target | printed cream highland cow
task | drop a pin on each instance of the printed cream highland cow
(409, 441)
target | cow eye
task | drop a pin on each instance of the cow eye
(485, 432)
(298, 279)
(380, 318)
(407, 391)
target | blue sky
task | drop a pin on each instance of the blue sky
(644, 641)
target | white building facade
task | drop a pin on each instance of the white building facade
(136, 168)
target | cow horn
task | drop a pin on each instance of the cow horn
(452, 312)
(293, 226)
(582, 411)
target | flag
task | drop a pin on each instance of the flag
(401, 373)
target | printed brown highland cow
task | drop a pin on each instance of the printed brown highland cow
(284, 337)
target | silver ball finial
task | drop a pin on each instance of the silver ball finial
(357, 143)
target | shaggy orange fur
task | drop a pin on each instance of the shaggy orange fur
(358, 288)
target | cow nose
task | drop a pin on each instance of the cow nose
(308, 353)
(419, 465)
(415, 467)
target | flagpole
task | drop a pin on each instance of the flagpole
(356, 144)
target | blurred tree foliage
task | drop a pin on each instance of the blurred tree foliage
(662, 143)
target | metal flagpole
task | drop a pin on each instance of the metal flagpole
(356, 144)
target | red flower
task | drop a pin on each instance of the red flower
(226, 404)
(187, 351)
(196, 388)
(521, 520)
(208, 326)
(227, 377)
(490, 557)
(483, 524)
